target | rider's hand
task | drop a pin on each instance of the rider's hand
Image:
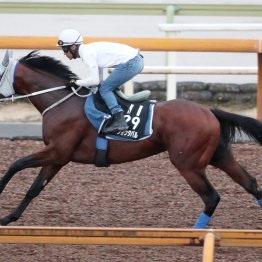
(72, 83)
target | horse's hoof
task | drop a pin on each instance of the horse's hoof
(4, 221)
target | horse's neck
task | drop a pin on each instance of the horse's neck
(29, 81)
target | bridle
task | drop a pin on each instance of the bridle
(52, 89)
(14, 97)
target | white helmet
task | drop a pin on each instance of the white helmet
(69, 37)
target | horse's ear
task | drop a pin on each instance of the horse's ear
(8, 55)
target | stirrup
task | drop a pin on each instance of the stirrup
(110, 124)
(113, 131)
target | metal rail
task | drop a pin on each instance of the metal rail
(145, 44)
(189, 27)
(129, 9)
(128, 236)
(200, 70)
(133, 236)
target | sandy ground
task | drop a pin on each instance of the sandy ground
(145, 193)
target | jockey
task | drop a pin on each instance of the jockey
(126, 60)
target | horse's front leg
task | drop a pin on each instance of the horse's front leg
(44, 177)
(17, 166)
(38, 159)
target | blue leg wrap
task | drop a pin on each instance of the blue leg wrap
(202, 221)
(260, 202)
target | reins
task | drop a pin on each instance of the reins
(61, 100)
(74, 92)
(14, 97)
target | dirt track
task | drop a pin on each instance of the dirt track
(146, 193)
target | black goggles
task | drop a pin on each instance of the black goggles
(64, 48)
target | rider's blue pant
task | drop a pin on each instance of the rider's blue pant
(121, 74)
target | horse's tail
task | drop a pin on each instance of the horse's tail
(230, 123)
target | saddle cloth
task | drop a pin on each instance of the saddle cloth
(139, 117)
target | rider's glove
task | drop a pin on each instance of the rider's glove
(72, 83)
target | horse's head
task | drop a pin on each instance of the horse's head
(42, 79)
(32, 72)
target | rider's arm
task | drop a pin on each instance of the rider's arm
(89, 58)
(92, 79)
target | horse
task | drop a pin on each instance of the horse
(194, 136)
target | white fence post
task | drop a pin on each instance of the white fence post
(171, 79)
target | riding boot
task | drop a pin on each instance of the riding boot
(116, 124)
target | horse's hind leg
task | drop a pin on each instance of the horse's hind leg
(192, 161)
(224, 160)
(44, 177)
(200, 184)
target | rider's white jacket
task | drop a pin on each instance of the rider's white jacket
(100, 55)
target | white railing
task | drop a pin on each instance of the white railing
(187, 70)
(173, 29)
(204, 70)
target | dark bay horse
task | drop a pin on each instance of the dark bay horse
(194, 135)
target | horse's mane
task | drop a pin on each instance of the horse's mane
(47, 64)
